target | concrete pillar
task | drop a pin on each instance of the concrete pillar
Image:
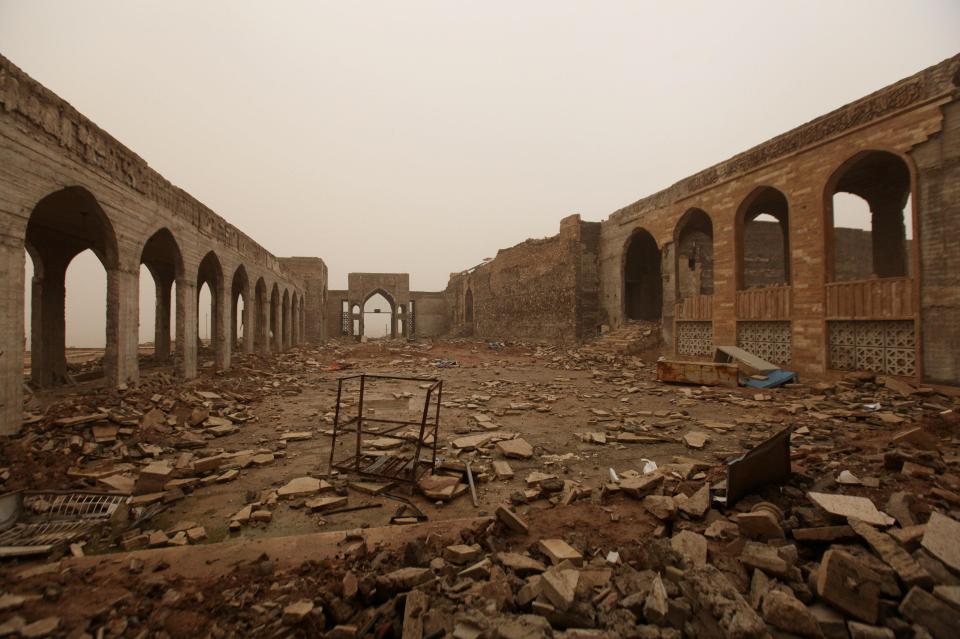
(277, 345)
(48, 361)
(161, 331)
(186, 329)
(249, 327)
(263, 327)
(123, 300)
(11, 334)
(220, 338)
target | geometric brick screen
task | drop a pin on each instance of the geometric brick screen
(694, 338)
(767, 340)
(877, 346)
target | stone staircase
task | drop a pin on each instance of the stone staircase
(632, 338)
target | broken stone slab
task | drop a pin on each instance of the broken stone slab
(696, 439)
(511, 520)
(922, 608)
(851, 506)
(859, 630)
(296, 436)
(692, 547)
(656, 605)
(764, 557)
(560, 587)
(662, 507)
(302, 486)
(471, 442)
(502, 470)
(295, 612)
(320, 504)
(641, 486)
(942, 539)
(40, 628)
(153, 476)
(414, 609)
(909, 571)
(719, 607)
(697, 504)
(407, 578)
(522, 565)
(438, 487)
(849, 585)
(515, 448)
(787, 613)
(479, 570)
(558, 551)
(760, 524)
(461, 554)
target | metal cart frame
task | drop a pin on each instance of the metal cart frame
(386, 467)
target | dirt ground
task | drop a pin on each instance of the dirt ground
(567, 400)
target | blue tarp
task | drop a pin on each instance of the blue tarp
(774, 378)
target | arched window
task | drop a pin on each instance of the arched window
(869, 219)
(694, 242)
(763, 239)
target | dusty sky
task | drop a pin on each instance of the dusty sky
(421, 137)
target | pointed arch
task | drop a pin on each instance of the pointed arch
(241, 336)
(162, 257)
(262, 321)
(62, 225)
(763, 239)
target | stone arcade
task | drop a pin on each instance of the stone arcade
(694, 257)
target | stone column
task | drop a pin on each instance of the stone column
(11, 334)
(161, 326)
(278, 327)
(249, 327)
(123, 299)
(220, 334)
(48, 361)
(186, 329)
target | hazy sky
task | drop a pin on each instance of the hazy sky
(421, 137)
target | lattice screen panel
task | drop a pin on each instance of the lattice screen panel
(694, 338)
(878, 346)
(767, 340)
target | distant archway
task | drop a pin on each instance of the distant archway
(210, 274)
(262, 322)
(642, 283)
(378, 313)
(276, 309)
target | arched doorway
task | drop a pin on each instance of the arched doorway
(378, 312)
(276, 321)
(642, 284)
(62, 226)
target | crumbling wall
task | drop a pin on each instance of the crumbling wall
(432, 313)
(313, 273)
(541, 289)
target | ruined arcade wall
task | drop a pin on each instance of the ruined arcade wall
(912, 119)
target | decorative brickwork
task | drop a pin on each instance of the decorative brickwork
(769, 340)
(878, 346)
(695, 338)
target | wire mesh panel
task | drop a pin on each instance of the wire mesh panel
(387, 425)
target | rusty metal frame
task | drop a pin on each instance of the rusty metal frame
(388, 467)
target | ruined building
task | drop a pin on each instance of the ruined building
(744, 252)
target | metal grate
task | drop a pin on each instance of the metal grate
(35, 522)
